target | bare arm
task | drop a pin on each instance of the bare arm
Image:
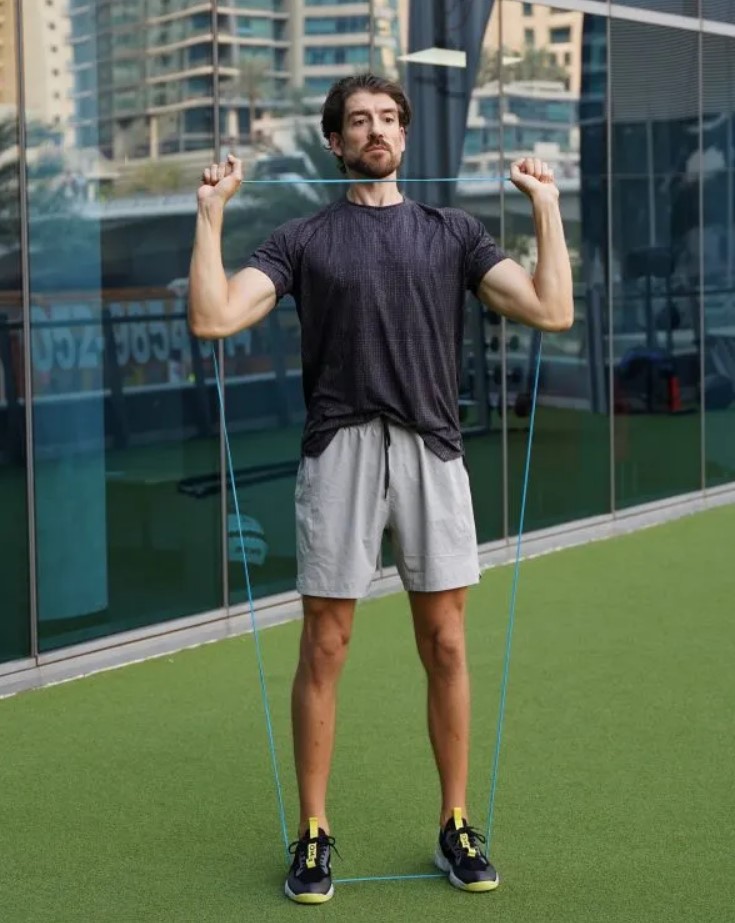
(219, 307)
(544, 301)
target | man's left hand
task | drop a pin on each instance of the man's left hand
(533, 177)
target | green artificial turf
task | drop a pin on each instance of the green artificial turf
(145, 794)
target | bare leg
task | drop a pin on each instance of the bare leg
(438, 620)
(325, 638)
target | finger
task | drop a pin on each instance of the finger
(538, 168)
(528, 165)
(214, 172)
(207, 176)
(236, 165)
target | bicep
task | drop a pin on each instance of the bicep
(251, 295)
(509, 290)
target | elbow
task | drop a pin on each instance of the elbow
(558, 326)
(203, 331)
(559, 322)
(206, 328)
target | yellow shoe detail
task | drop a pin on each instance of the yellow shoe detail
(478, 886)
(309, 897)
(312, 898)
(311, 855)
(464, 840)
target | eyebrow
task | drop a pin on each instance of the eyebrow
(392, 110)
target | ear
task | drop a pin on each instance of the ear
(403, 139)
(335, 143)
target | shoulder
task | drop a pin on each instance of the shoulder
(297, 231)
(456, 220)
(463, 224)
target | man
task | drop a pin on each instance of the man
(380, 282)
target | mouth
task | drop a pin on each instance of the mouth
(370, 150)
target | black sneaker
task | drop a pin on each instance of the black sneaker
(458, 853)
(310, 878)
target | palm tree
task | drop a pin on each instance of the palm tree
(251, 83)
(274, 204)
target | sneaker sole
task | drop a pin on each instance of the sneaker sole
(474, 887)
(309, 897)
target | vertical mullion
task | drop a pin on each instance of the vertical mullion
(223, 483)
(702, 325)
(503, 324)
(26, 310)
(610, 304)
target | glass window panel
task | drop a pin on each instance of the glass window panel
(475, 157)
(252, 27)
(655, 261)
(722, 10)
(676, 7)
(265, 404)
(126, 461)
(14, 604)
(340, 54)
(557, 112)
(718, 238)
(335, 25)
(274, 6)
(560, 35)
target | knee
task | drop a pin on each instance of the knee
(324, 645)
(444, 654)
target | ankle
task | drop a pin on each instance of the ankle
(322, 823)
(447, 814)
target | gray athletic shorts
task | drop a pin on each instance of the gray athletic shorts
(342, 510)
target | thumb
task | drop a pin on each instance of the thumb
(516, 170)
(235, 165)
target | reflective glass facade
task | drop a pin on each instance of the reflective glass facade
(116, 511)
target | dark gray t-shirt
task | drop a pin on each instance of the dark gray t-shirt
(380, 294)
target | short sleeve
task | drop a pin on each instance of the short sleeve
(482, 254)
(275, 258)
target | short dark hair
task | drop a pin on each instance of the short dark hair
(333, 110)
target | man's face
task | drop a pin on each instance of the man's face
(372, 141)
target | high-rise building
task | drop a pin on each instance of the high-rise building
(47, 61)
(548, 31)
(144, 69)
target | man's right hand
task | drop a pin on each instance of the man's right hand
(220, 181)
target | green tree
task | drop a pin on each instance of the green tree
(529, 64)
(63, 243)
(153, 176)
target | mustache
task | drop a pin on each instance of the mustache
(377, 147)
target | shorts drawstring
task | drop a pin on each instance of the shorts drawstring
(386, 446)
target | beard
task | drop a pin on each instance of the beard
(375, 167)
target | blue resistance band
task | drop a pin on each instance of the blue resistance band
(259, 655)
(297, 180)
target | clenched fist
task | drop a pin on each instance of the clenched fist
(220, 181)
(533, 176)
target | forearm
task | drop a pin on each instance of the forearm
(208, 289)
(552, 279)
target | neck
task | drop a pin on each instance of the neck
(375, 194)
